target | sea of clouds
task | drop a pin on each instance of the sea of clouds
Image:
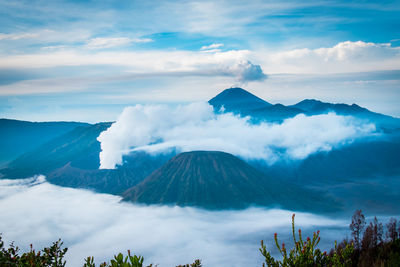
(99, 225)
(195, 126)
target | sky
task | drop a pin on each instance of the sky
(87, 60)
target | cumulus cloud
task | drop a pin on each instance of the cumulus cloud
(157, 128)
(100, 225)
(343, 57)
(246, 71)
(356, 50)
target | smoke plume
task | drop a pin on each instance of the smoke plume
(159, 128)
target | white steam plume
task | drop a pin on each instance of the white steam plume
(157, 128)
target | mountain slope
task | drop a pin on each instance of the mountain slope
(366, 158)
(213, 179)
(112, 181)
(314, 107)
(80, 147)
(18, 137)
(275, 113)
(72, 160)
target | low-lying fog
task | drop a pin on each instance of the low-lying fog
(99, 225)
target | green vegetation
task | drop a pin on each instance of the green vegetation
(51, 256)
(305, 253)
(369, 247)
(119, 261)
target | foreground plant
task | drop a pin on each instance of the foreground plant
(196, 263)
(306, 253)
(119, 261)
(52, 256)
(129, 261)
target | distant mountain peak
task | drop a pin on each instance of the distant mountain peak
(237, 93)
(236, 90)
(310, 100)
(309, 103)
(237, 100)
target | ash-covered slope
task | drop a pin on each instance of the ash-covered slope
(113, 181)
(218, 180)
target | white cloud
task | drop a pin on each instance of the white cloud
(247, 71)
(356, 50)
(343, 57)
(212, 47)
(15, 36)
(232, 63)
(43, 86)
(108, 42)
(45, 35)
(156, 128)
(142, 62)
(100, 225)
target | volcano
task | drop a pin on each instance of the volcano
(216, 180)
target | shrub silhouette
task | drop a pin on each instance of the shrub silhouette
(119, 261)
(356, 227)
(52, 256)
(305, 253)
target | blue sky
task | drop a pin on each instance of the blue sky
(86, 60)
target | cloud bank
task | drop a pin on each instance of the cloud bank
(232, 63)
(343, 57)
(158, 128)
(101, 226)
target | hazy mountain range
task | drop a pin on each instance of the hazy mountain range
(19, 137)
(68, 154)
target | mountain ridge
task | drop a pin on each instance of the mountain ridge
(261, 110)
(18, 137)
